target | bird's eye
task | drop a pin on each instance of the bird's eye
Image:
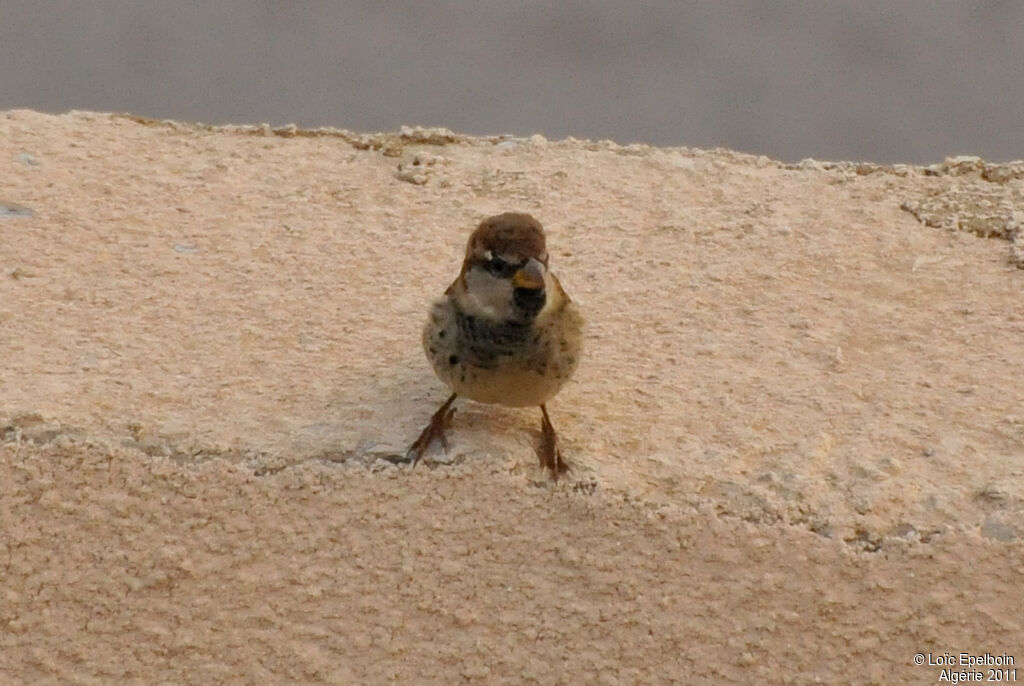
(499, 267)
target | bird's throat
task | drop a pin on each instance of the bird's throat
(529, 301)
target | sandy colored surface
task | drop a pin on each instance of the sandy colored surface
(797, 433)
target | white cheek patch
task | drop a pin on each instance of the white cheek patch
(487, 295)
(549, 289)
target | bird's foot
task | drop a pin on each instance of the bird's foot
(435, 430)
(550, 455)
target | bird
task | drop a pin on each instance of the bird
(504, 332)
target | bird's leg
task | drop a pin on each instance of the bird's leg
(550, 455)
(435, 430)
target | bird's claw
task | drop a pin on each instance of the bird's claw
(550, 455)
(435, 430)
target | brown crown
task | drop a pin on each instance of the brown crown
(513, 235)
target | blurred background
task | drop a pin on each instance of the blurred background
(879, 80)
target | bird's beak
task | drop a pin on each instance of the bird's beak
(530, 276)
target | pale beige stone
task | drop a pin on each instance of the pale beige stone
(802, 387)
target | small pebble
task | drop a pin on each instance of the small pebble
(10, 209)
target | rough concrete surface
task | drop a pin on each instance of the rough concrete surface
(797, 435)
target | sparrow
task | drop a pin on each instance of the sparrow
(505, 332)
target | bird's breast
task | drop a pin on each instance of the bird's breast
(509, 363)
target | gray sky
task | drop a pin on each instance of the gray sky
(887, 81)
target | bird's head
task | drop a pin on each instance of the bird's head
(505, 274)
